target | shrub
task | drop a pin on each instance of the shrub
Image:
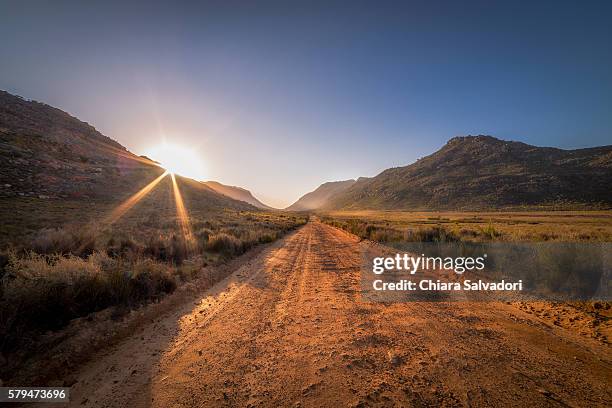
(80, 242)
(64, 277)
(45, 292)
(225, 244)
(123, 247)
(489, 232)
(178, 250)
(156, 248)
(267, 237)
(385, 235)
(434, 234)
(149, 280)
(171, 249)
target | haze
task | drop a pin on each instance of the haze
(278, 98)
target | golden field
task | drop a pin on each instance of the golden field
(566, 226)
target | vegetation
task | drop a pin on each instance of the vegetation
(87, 225)
(398, 226)
(61, 273)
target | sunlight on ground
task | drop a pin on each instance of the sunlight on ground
(181, 211)
(130, 202)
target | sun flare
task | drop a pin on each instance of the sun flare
(178, 160)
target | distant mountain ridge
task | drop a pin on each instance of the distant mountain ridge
(473, 172)
(237, 193)
(319, 198)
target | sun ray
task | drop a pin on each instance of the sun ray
(124, 153)
(181, 212)
(130, 202)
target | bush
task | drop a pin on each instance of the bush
(385, 235)
(45, 292)
(434, 234)
(149, 280)
(80, 242)
(171, 249)
(123, 247)
(267, 238)
(225, 244)
(64, 277)
(489, 232)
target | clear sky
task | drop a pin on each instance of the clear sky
(280, 97)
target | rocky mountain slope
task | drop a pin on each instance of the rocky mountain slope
(476, 172)
(319, 197)
(237, 193)
(56, 169)
(47, 154)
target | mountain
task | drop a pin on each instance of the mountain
(46, 155)
(319, 198)
(478, 172)
(237, 193)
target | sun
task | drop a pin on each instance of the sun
(179, 160)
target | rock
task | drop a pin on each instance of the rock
(394, 358)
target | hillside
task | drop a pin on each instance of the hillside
(237, 193)
(320, 197)
(55, 168)
(475, 172)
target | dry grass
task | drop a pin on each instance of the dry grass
(393, 226)
(59, 266)
(589, 318)
(44, 292)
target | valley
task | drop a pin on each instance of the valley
(136, 286)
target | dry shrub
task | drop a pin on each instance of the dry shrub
(385, 235)
(45, 292)
(366, 230)
(225, 244)
(80, 242)
(201, 237)
(64, 278)
(123, 247)
(149, 280)
(171, 249)
(433, 234)
(268, 237)
(490, 232)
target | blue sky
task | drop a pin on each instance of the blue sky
(279, 97)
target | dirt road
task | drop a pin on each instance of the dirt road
(289, 329)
